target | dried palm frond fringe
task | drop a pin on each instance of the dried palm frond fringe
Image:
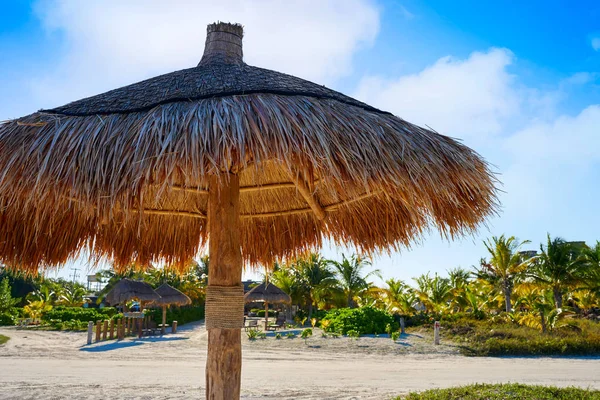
(69, 183)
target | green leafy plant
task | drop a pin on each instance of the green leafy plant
(261, 335)
(290, 335)
(353, 334)
(278, 335)
(7, 319)
(395, 336)
(334, 335)
(306, 333)
(366, 320)
(252, 334)
(313, 322)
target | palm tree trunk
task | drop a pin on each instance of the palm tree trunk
(310, 308)
(543, 320)
(558, 297)
(507, 294)
(349, 300)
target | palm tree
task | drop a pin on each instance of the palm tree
(316, 279)
(71, 295)
(350, 276)
(398, 297)
(285, 278)
(505, 267)
(558, 266)
(435, 293)
(459, 280)
(590, 274)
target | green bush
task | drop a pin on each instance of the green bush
(261, 313)
(182, 315)
(7, 319)
(63, 314)
(252, 334)
(395, 335)
(365, 320)
(353, 334)
(306, 333)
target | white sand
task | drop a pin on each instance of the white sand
(57, 365)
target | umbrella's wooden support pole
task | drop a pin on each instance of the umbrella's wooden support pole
(164, 321)
(266, 316)
(224, 360)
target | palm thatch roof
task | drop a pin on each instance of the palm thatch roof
(124, 174)
(170, 296)
(127, 289)
(267, 292)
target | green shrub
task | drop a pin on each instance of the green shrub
(261, 313)
(290, 335)
(306, 333)
(365, 320)
(278, 335)
(80, 314)
(182, 315)
(3, 339)
(252, 334)
(262, 335)
(353, 334)
(395, 335)
(7, 319)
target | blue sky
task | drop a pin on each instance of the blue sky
(517, 81)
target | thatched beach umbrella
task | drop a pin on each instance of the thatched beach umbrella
(169, 296)
(268, 294)
(127, 289)
(264, 164)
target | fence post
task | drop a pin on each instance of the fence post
(111, 332)
(104, 330)
(128, 323)
(402, 331)
(174, 327)
(119, 329)
(90, 332)
(436, 332)
(98, 330)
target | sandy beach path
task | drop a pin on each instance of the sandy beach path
(54, 365)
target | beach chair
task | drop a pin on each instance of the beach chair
(251, 324)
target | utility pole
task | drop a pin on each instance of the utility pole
(75, 274)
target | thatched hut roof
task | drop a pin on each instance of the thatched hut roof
(127, 289)
(170, 296)
(267, 292)
(124, 174)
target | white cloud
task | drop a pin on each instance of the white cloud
(547, 160)
(111, 43)
(596, 43)
(466, 98)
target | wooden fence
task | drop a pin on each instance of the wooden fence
(122, 327)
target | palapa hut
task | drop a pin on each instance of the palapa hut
(267, 293)
(264, 164)
(169, 296)
(126, 290)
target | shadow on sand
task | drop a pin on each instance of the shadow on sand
(122, 344)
